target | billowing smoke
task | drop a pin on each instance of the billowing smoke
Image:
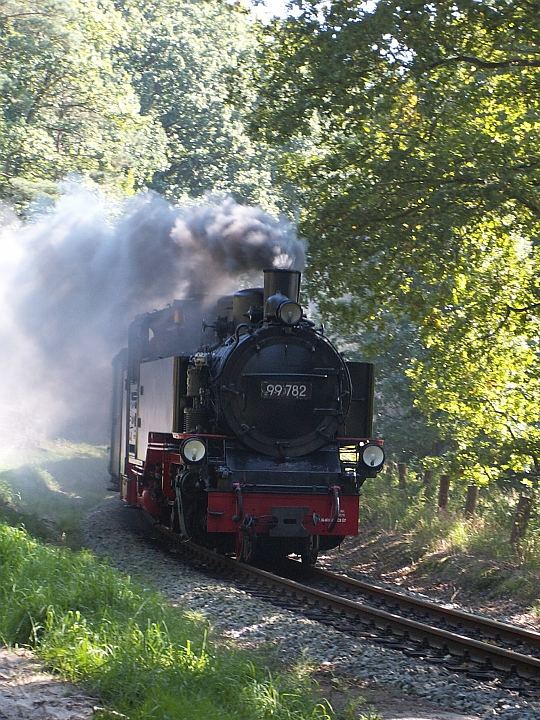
(74, 278)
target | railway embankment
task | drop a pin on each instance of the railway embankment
(450, 554)
(350, 674)
(473, 581)
(253, 621)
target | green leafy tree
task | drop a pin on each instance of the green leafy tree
(66, 106)
(413, 131)
(389, 342)
(189, 62)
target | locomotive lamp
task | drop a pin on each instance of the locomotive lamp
(193, 450)
(286, 311)
(372, 456)
(289, 313)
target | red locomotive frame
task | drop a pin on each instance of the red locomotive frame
(227, 510)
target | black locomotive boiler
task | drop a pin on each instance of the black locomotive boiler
(247, 432)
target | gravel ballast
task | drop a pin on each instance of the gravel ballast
(114, 531)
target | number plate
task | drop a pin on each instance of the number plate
(285, 390)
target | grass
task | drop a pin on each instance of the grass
(99, 628)
(123, 643)
(49, 488)
(473, 552)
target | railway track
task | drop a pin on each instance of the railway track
(477, 646)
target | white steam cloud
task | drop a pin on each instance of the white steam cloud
(72, 280)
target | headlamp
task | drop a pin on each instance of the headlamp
(289, 313)
(372, 456)
(193, 450)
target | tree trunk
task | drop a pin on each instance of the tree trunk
(472, 499)
(402, 475)
(521, 519)
(444, 487)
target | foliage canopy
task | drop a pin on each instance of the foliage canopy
(413, 130)
(131, 95)
(66, 105)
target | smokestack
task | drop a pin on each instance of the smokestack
(284, 282)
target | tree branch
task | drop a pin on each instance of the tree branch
(527, 308)
(492, 64)
(7, 16)
(503, 414)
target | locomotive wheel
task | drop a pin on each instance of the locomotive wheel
(310, 551)
(246, 546)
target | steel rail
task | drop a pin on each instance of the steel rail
(494, 628)
(428, 636)
(500, 658)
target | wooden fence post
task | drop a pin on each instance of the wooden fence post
(444, 487)
(402, 475)
(521, 519)
(471, 500)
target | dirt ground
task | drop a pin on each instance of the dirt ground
(29, 693)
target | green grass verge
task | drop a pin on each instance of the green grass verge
(473, 553)
(122, 642)
(50, 487)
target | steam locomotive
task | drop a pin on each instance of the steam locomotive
(246, 432)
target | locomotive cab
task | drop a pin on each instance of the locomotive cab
(251, 435)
